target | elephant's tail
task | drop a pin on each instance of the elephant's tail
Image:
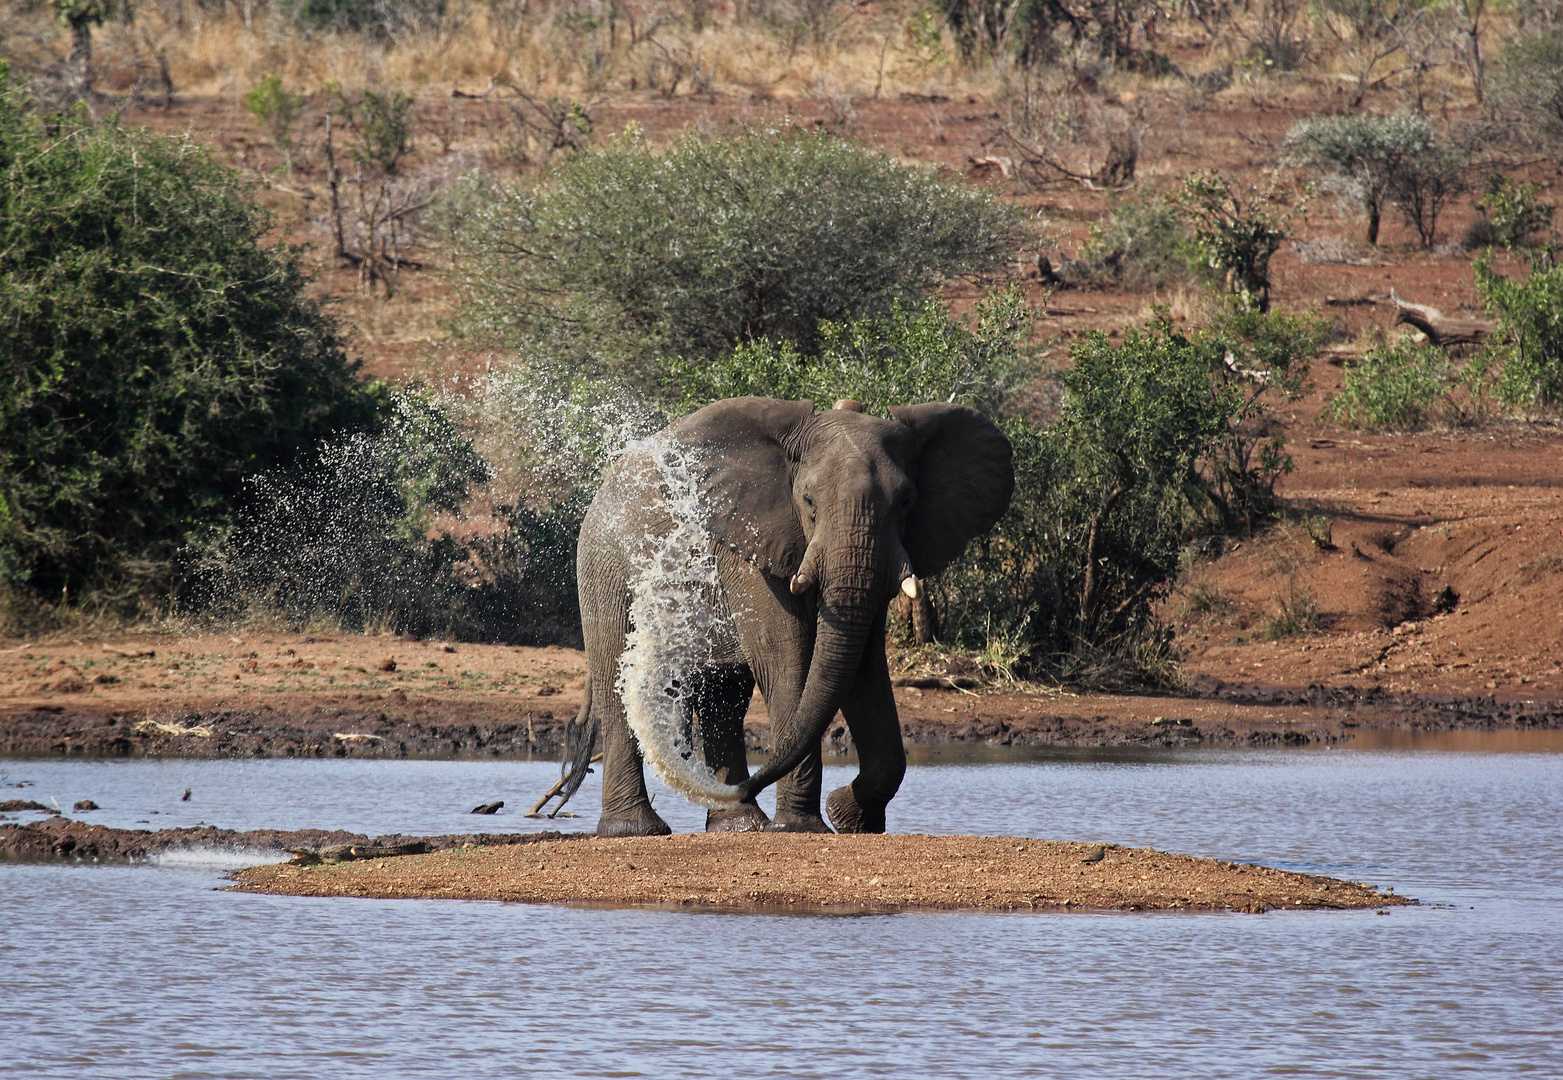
(580, 739)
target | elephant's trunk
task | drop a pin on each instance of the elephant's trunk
(853, 592)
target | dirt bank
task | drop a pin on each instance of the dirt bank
(285, 695)
(736, 871)
(58, 839)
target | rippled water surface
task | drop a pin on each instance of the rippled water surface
(149, 971)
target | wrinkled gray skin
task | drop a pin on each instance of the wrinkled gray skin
(816, 519)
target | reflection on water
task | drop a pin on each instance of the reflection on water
(149, 971)
(1490, 742)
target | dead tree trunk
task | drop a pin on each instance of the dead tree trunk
(1441, 329)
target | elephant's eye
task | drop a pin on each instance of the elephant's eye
(808, 502)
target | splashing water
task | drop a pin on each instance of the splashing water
(675, 625)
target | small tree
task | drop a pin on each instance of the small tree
(274, 105)
(1235, 234)
(1371, 32)
(81, 16)
(1528, 87)
(1424, 183)
(1516, 218)
(1368, 156)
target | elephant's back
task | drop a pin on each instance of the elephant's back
(627, 516)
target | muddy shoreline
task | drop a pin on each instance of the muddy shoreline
(61, 839)
(1228, 716)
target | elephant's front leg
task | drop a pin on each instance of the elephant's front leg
(870, 713)
(797, 797)
(777, 632)
(720, 700)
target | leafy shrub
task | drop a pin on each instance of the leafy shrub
(1514, 215)
(154, 352)
(1135, 244)
(624, 254)
(1424, 185)
(912, 353)
(369, 533)
(383, 124)
(1259, 356)
(1394, 388)
(1373, 159)
(1529, 352)
(1235, 234)
(1107, 487)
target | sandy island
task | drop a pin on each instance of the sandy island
(822, 873)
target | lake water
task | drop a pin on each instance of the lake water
(149, 971)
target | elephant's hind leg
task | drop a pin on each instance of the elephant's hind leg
(626, 806)
(721, 700)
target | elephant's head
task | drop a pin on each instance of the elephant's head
(847, 506)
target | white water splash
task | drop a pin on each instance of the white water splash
(220, 857)
(674, 626)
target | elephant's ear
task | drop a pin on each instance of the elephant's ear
(743, 469)
(965, 474)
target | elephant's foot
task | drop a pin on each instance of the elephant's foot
(809, 823)
(645, 823)
(848, 817)
(745, 817)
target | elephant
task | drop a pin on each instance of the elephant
(759, 541)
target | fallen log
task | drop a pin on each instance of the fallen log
(1441, 329)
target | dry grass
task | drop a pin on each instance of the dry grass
(841, 53)
(545, 49)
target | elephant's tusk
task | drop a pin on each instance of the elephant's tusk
(911, 586)
(800, 585)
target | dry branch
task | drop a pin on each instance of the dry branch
(1441, 329)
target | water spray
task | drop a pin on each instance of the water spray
(674, 624)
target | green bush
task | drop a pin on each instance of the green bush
(1515, 217)
(345, 536)
(354, 539)
(155, 351)
(279, 108)
(1136, 244)
(912, 353)
(623, 255)
(1528, 355)
(383, 124)
(1394, 388)
(1258, 357)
